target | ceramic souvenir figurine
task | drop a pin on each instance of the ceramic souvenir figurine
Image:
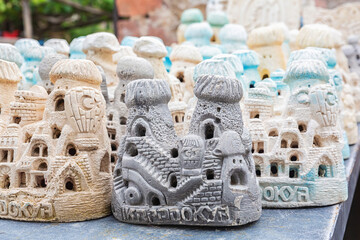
(199, 34)
(282, 92)
(61, 46)
(233, 37)
(32, 57)
(267, 42)
(208, 52)
(205, 178)
(322, 36)
(129, 68)
(24, 44)
(10, 53)
(44, 69)
(250, 61)
(189, 16)
(123, 52)
(217, 19)
(59, 165)
(10, 76)
(76, 46)
(182, 58)
(99, 48)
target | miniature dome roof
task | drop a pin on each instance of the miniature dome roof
(353, 39)
(147, 92)
(76, 69)
(25, 43)
(233, 60)
(186, 53)
(266, 36)
(217, 18)
(149, 47)
(329, 56)
(76, 44)
(213, 67)
(318, 35)
(209, 51)
(60, 45)
(278, 74)
(124, 51)
(305, 54)
(129, 41)
(34, 53)
(307, 69)
(10, 53)
(218, 88)
(233, 33)
(102, 40)
(47, 63)
(132, 68)
(267, 83)
(249, 58)
(9, 72)
(198, 30)
(191, 15)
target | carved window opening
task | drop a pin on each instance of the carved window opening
(113, 147)
(294, 158)
(252, 84)
(260, 146)
(273, 133)
(43, 167)
(279, 92)
(22, 179)
(6, 182)
(302, 127)
(322, 171)
(180, 76)
(218, 109)
(254, 114)
(176, 119)
(173, 180)
(59, 104)
(40, 182)
(4, 155)
(131, 150)
(39, 150)
(110, 117)
(209, 131)
(105, 163)
(71, 150)
(258, 170)
(294, 144)
(56, 132)
(70, 184)
(155, 201)
(35, 151)
(265, 76)
(283, 143)
(113, 158)
(274, 169)
(210, 174)
(317, 141)
(140, 130)
(174, 153)
(238, 177)
(112, 135)
(123, 121)
(293, 172)
(122, 97)
(16, 119)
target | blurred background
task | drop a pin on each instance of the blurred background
(44, 19)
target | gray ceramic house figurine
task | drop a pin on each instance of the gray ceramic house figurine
(205, 178)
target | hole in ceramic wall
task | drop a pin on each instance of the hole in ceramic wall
(71, 150)
(322, 171)
(174, 153)
(16, 120)
(56, 133)
(258, 170)
(283, 143)
(22, 179)
(35, 151)
(123, 121)
(293, 172)
(302, 128)
(176, 119)
(59, 104)
(218, 109)
(254, 114)
(6, 181)
(265, 76)
(180, 76)
(4, 155)
(294, 144)
(45, 151)
(155, 201)
(273, 133)
(173, 181)
(294, 158)
(210, 174)
(43, 166)
(274, 169)
(110, 117)
(260, 147)
(209, 131)
(131, 150)
(140, 130)
(40, 182)
(113, 147)
(317, 141)
(70, 184)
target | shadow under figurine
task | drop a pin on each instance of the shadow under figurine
(205, 178)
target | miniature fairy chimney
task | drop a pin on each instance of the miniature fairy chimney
(10, 76)
(10, 53)
(100, 48)
(61, 46)
(76, 46)
(217, 20)
(250, 61)
(189, 16)
(44, 69)
(123, 52)
(199, 34)
(233, 37)
(267, 42)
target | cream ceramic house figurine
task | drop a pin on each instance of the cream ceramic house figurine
(233, 37)
(205, 178)
(267, 42)
(217, 19)
(60, 165)
(76, 46)
(189, 16)
(100, 48)
(61, 46)
(298, 156)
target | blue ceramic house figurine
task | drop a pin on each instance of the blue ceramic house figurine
(199, 34)
(128, 41)
(233, 37)
(189, 16)
(24, 44)
(250, 61)
(76, 48)
(210, 51)
(217, 19)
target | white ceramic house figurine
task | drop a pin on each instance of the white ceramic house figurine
(233, 37)
(205, 178)
(189, 16)
(59, 165)
(44, 69)
(267, 42)
(10, 76)
(199, 34)
(76, 46)
(217, 19)
(99, 48)
(61, 46)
